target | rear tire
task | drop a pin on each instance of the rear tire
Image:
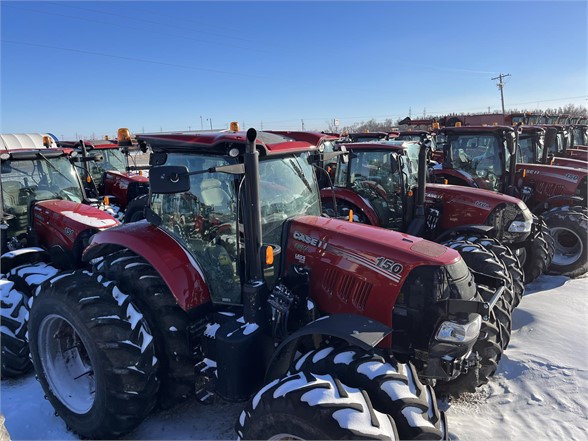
(167, 321)
(393, 388)
(569, 229)
(312, 407)
(93, 354)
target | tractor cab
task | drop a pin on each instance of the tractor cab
(480, 154)
(207, 215)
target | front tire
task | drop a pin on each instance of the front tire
(93, 354)
(308, 406)
(393, 388)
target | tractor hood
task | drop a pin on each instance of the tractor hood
(58, 222)
(548, 181)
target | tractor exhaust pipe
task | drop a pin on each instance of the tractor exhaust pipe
(255, 291)
(417, 226)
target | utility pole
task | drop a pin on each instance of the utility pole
(201, 124)
(302, 124)
(501, 87)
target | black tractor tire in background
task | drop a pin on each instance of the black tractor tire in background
(93, 355)
(312, 407)
(167, 321)
(135, 210)
(507, 257)
(569, 228)
(537, 253)
(393, 388)
(481, 260)
(15, 349)
(19, 285)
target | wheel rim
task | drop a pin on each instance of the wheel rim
(67, 364)
(521, 254)
(568, 246)
(284, 437)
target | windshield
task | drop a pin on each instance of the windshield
(530, 149)
(481, 156)
(369, 174)
(40, 179)
(113, 160)
(287, 188)
(580, 136)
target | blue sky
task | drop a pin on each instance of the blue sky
(79, 69)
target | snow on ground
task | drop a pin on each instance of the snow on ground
(539, 392)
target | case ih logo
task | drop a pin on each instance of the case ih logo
(482, 204)
(69, 232)
(309, 240)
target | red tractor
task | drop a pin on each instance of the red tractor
(235, 271)
(46, 223)
(487, 157)
(106, 171)
(380, 185)
(545, 145)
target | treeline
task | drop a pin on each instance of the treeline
(389, 124)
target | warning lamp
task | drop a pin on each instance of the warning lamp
(269, 255)
(106, 138)
(350, 215)
(552, 161)
(445, 181)
(524, 173)
(124, 137)
(234, 126)
(409, 193)
(88, 179)
(47, 141)
(435, 126)
(140, 172)
(458, 124)
(106, 200)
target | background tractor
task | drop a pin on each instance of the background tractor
(106, 171)
(381, 185)
(235, 271)
(46, 222)
(487, 157)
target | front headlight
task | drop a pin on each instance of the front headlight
(459, 333)
(520, 226)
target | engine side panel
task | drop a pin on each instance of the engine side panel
(357, 268)
(117, 184)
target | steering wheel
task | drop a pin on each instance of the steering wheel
(463, 156)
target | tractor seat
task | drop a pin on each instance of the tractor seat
(213, 194)
(11, 191)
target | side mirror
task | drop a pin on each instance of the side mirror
(169, 179)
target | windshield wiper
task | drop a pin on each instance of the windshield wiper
(298, 170)
(53, 167)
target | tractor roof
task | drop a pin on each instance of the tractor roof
(220, 143)
(398, 146)
(20, 141)
(91, 144)
(314, 138)
(476, 129)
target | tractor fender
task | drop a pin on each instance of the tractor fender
(354, 329)
(480, 229)
(343, 195)
(12, 259)
(557, 201)
(177, 267)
